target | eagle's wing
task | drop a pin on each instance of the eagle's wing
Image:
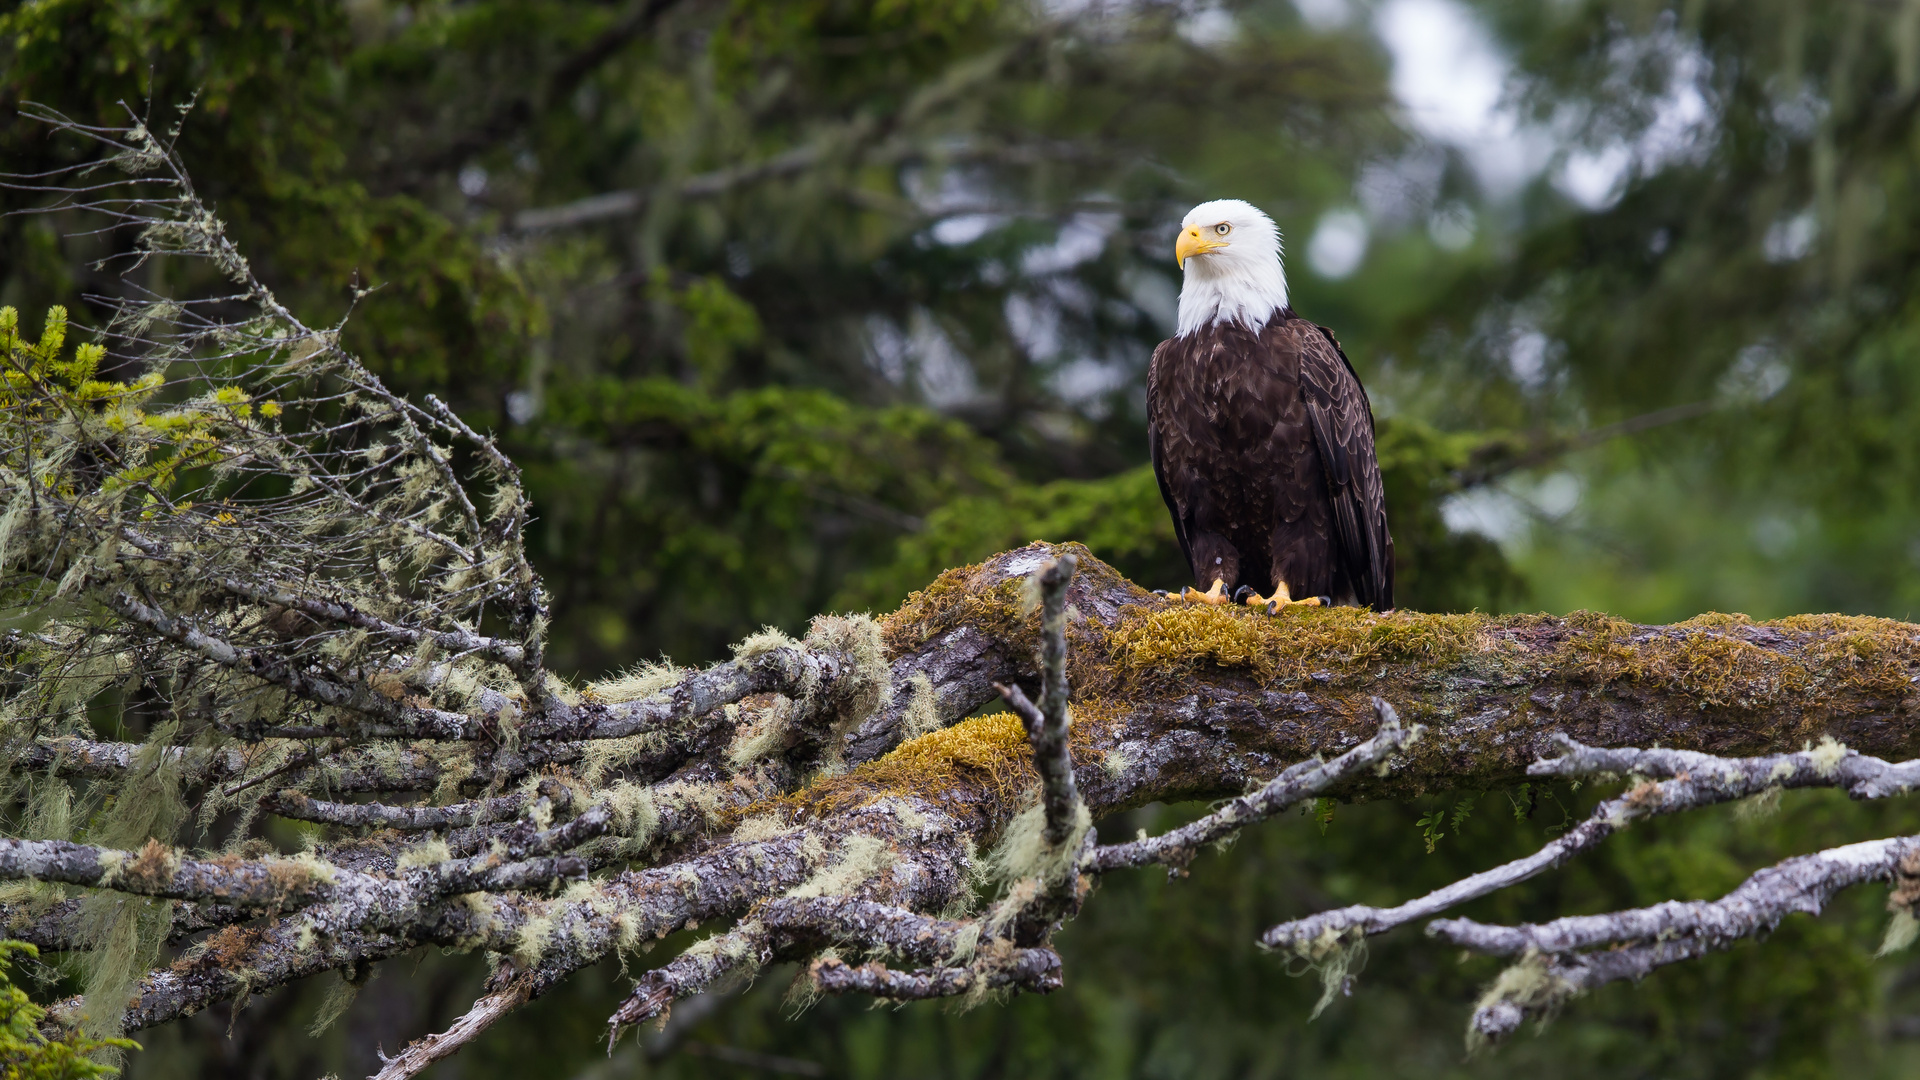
(1343, 432)
(1156, 419)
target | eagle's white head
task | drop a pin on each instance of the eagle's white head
(1230, 253)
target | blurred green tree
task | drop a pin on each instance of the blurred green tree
(756, 288)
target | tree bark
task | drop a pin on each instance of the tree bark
(1202, 702)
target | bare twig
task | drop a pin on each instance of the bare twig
(423, 1052)
(61, 926)
(373, 815)
(1829, 765)
(456, 640)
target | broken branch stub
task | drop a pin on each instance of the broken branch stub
(1047, 723)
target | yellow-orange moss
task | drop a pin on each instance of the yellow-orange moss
(953, 598)
(1092, 719)
(1858, 651)
(1845, 624)
(229, 947)
(1714, 620)
(1598, 649)
(990, 748)
(970, 595)
(1168, 638)
(1819, 662)
(1705, 659)
(1717, 669)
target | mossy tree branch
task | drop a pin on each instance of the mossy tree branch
(1188, 727)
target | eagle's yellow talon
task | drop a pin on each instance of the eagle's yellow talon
(1281, 597)
(1215, 595)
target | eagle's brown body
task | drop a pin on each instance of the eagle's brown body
(1263, 446)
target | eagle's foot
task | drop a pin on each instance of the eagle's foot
(1215, 595)
(1281, 598)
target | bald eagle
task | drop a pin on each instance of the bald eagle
(1261, 435)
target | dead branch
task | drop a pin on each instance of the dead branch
(1693, 780)
(1568, 957)
(1047, 724)
(1299, 782)
(1034, 970)
(746, 947)
(424, 1052)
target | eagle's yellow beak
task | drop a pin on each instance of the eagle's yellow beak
(1194, 242)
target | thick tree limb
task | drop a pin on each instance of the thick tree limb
(1488, 690)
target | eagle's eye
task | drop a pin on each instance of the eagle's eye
(1223, 228)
